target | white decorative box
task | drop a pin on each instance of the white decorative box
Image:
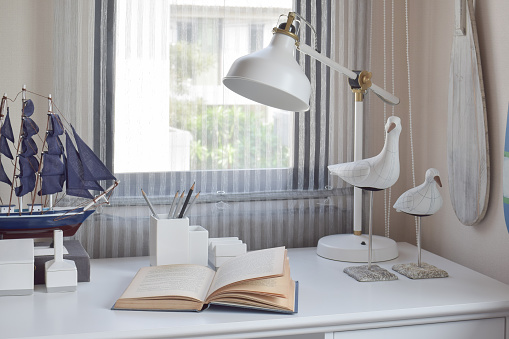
(232, 249)
(198, 251)
(223, 249)
(173, 241)
(16, 267)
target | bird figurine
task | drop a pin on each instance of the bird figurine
(421, 201)
(373, 174)
(379, 172)
(424, 199)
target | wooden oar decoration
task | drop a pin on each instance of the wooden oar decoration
(467, 134)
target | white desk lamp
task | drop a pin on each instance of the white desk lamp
(273, 77)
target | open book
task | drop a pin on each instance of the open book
(259, 279)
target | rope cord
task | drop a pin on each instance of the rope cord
(389, 195)
(410, 111)
(386, 220)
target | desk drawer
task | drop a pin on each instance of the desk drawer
(472, 329)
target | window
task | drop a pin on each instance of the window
(172, 113)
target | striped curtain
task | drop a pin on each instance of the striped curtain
(163, 94)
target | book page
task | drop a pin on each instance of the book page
(261, 301)
(171, 280)
(276, 286)
(252, 265)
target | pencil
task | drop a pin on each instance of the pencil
(170, 213)
(179, 203)
(149, 203)
(189, 194)
(191, 205)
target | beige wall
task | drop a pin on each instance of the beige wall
(26, 57)
(26, 38)
(485, 247)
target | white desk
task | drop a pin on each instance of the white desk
(465, 305)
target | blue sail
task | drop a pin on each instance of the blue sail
(30, 128)
(28, 164)
(75, 184)
(51, 185)
(28, 108)
(3, 176)
(4, 147)
(6, 129)
(56, 123)
(6, 134)
(28, 147)
(52, 140)
(52, 174)
(93, 167)
(28, 167)
(54, 144)
(53, 171)
(52, 165)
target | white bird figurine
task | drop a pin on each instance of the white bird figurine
(379, 172)
(424, 199)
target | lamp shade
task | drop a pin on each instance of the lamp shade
(271, 76)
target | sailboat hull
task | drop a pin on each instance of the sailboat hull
(36, 225)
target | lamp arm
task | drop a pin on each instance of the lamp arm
(327, 61)
(383, 94)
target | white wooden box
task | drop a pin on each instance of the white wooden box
(223, 249)
(16, 266)
(198, 249)
(228, 249)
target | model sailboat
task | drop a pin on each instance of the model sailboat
(39, 176)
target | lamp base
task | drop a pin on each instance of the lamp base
(354, 248)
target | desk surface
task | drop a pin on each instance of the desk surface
(329, 300)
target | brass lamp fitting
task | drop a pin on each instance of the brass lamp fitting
(360, 85)
(287, 30)
(365, 80)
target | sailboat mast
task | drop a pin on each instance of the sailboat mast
(50, 111)
(23, 100)
(2, 105)
(38, 173)
(20, 199)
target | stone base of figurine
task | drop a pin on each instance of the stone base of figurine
(425, 271)
(365, 274)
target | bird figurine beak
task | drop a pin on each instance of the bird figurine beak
(437, 179)
(391, 127)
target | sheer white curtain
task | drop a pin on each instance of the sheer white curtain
(156, 78)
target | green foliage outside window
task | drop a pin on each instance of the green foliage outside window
(219, 132)
(220, 137)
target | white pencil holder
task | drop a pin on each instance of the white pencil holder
(173, 241)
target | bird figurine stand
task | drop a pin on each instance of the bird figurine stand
(423, 200)
(373, 174)
(369, 272)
